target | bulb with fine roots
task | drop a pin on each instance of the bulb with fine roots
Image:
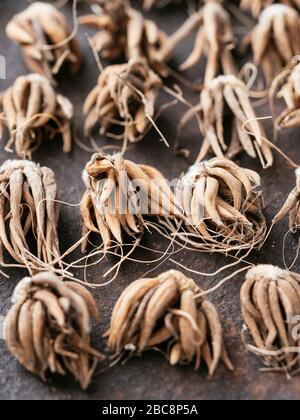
(270, 299)
(222, 203)
(166, 311)
(45, 38)
(33, 112)
(48, 328)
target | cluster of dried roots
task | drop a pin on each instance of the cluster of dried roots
(43, 33)
(32, 111)
(257, 6)
(48, 328)
(223, 206)
(227, 96)
(119, 193)
(28, 215)
(216, 40)
(276, 39)
(286, 86)
(125, 33)
(291, 207)
(270, 300)
(167, 311)
(123, 100)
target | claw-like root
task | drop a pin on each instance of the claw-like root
(216, 40)
(223, 94)
(48, 328)
(124, 32)
(32, 111)
(28, 209)
(119, 194)
(291, 207)
(166, 311)
(43, 33)
(286, 86)
(257, 6)
(276, 39)
(124, 99)
(223, 205)
(270, 300)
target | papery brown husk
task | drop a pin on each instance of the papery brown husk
(286, 86)
(165, 311)
(270, 299)
(123, 100)
(48, 328)
(33, 112)
(28, 215)
(275, 40)
(227, 96)
(119, 195)
(223, 205)
(43, 33)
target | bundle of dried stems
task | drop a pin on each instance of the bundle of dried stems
(167, 310)
(286, 86)
(275, 39)
(216, 40)
(125, 33)
(48, 328)
(123, 100)
(46, 41)
(291, 207)
(28, 215)
(229, 96)
(257, 6)
(223, 206)
(119, 193)
(270, 300)
(32, 111)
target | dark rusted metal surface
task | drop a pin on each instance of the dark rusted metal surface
(149, 377)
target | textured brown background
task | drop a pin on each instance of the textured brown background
(149, 377)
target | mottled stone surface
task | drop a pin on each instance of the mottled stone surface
(149, 377)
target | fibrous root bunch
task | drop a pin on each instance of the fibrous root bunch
(48, 328)
(119, 194)
(286, 86)
(291, 207)
(223, 206)
(123, 100)
(257, 6)
(229, 96)
(270, 300)
(43, 33)
(166, 311)
(28, 215)
(32, 111)
(276, 39)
